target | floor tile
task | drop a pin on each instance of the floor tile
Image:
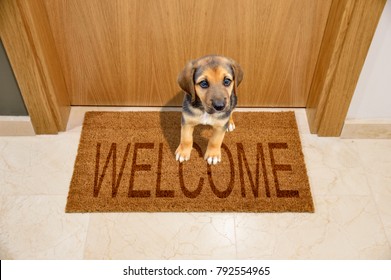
(36, 227)
(37, 165)
(161, 236)
(376, 158)
(334, 166)
(343, 227)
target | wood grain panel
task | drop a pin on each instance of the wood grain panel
(129, 52)
(334, 37)
(28, 40)
(348, 36)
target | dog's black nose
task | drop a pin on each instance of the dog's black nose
(218, 104)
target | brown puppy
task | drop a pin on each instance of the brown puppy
(210, 84)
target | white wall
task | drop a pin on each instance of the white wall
(372, 97)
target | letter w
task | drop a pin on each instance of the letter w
(115, 181)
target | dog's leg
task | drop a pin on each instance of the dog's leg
(231, 124)
(213, 151)
(183, 151)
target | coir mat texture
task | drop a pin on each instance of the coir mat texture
(126, 163)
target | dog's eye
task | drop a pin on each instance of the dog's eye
(204, 84)
(227, 82)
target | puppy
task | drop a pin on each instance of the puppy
(210, 84)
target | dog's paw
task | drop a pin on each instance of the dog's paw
(182, 153)
(213, 156)
(231, 127)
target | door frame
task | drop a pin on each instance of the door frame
(28, 40)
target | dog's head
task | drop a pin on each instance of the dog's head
(213, 79)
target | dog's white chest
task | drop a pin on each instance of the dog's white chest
(206, 119)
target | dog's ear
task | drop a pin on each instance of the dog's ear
(186, 79)
(238, 74)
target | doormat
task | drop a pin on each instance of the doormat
(126, 163)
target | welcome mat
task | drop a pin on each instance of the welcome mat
(126, 163)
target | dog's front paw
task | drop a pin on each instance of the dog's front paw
(183, 152)
(213, 156)
(231, 127)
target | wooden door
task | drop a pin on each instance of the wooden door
(118, 52)
(129, 52)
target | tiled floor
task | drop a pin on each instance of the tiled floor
(350, 181)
